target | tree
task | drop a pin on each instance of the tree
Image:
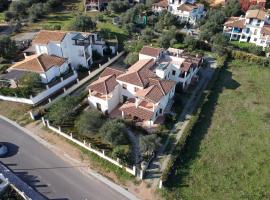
(149, 143)
(118, 6)
(232, 8)
(36, 11)
(147, 35)
(89, 123)
(8, 48)
(19, 9)
(62, 111)
(30, 80)
(190, 42)
(3, 4)
(131, 58)
(83, 23)
(114, 131)
(220, 42)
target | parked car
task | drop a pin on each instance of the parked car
(3, 150)
(3, 183)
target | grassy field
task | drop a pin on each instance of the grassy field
(227, 154)
(1, 17)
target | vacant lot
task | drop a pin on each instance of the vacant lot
(227, 155)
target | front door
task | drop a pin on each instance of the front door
(125, 98)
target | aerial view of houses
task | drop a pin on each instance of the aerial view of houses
(126, 99)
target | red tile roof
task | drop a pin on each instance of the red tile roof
(150, 51)
(104, 85)
(130, 109)
(256, 14)
(157, 89)
(163, 4)
(235, 22)
(44, 37)
(39, 63)
(188, 7)
(139, 73)
(111, 71)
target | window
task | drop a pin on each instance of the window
(160, 111)
(124, 86)
(98, 106)
(125, 98)
(173, 72)
(255, 32)
(136, 89)
(255, 39)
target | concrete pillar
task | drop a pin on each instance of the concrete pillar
(117, 159)
(160, 184)
(123, 115)
(134, 170)
(59, 128)
(78, 80)
(99, 65)
(64, 89)
(89, 72)
(71, 136)
(84, 142)
(103, 152)
(62, 79)
(141, 174)
(31, 115)
(49, 100)
(47, 87)
(43, 121)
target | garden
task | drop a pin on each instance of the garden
(120, 139)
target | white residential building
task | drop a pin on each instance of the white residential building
(254, 27)
(47, 66)
(186, 10)
(143, 92)
(76, 47)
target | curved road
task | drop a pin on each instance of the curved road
(47, 173)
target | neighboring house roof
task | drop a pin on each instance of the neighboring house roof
(104, 85)
(139, 73)
(44, 37)
(129, 108)
(265, 30)
(111, 71)
(157, 89)
(38, 63)
(186, 66)
(188, 7)
(256, 14)
(150, 51)
(235, 22)
(162, 4)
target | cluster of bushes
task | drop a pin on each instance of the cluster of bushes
(118, 6)
(30, 9)
(248, 47)
(251, 58)
(23, 92)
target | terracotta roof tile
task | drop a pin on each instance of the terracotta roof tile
(44, 37)
(157, 89)
(163, 4)
(256, 14)
(187, 7)
(130, 109)
(235, 22)
(150, 51)
(39, 63)
(104, 85)
(111, 71)
(139, 73)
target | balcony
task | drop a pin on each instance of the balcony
(100, 96)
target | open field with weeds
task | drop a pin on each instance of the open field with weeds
(227, 154)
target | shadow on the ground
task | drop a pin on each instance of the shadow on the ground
(189, 153)
(12, 149)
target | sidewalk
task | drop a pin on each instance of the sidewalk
(154, 172)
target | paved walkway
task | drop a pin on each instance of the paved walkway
(154, 172)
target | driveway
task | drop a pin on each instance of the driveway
(47, 173)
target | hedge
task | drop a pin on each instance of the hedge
(250, 58)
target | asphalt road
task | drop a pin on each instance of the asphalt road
(47, 173)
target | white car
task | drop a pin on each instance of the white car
(3, 150)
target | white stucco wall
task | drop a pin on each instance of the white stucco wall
(54, 49)
(40, 49)
(129, 92)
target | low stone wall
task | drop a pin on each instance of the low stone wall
(89, 148)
